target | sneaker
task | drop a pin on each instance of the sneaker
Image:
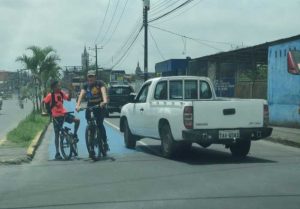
(92, 154)
(106, 146)
(58, 157)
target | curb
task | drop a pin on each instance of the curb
(36, 142)
(283, 142)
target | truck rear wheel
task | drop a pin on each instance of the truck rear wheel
(129, 138)
(168, 145)
(240, 149)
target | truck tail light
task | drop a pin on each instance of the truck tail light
(266, 115)
(188, 117)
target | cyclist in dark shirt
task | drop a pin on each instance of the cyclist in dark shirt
(96, 94)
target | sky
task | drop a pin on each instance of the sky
(69, 25)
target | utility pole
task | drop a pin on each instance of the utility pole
(18, 77)
(96, 57)
(145, 14)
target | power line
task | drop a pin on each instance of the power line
(161, 5)
(157, 4)
(191, 7)
(127, 50)
(111, 21)
(190, 38)
(161, 55)
(195, 39)
(116, 26)
(129, 38)
(101, 27)
(171, 11)
(164, 6)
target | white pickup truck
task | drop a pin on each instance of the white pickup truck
(181, 110)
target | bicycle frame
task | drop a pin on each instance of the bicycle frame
(64, 132)
(96, 140)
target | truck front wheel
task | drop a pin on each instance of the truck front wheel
(129, 138)
(168, 145)
(240, 149)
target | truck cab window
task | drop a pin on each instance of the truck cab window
(161, 91)
(205, 91)
(176, 90)
(142, 97)
(190, 89)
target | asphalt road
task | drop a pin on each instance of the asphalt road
(141, 178)
(11, 114)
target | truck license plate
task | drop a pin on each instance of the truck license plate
(229, 134)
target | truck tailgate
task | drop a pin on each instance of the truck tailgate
(227, 114)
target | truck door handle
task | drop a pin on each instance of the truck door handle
(230, 111)
(142, 109)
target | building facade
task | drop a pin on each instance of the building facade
(283, 88)
(172, 67)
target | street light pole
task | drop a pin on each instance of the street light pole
(145, 14)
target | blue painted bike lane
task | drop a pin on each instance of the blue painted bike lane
(115, 138)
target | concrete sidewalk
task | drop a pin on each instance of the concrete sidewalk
(287, 136)
(13, 155)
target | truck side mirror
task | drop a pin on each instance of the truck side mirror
(132, 97)
(293, 62)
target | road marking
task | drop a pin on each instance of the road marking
(116, 127)
(113, 125)
(140, 142)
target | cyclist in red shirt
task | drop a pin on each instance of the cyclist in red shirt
(58, 112)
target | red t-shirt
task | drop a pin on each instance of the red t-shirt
(58, 109)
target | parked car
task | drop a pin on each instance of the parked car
(119, 95)
(182, 110)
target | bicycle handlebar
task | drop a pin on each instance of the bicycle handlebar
(69, 112)
(89, 108)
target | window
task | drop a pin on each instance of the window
(142, 96)
(161, 91)
(205, 91)
(190, 89)
(293, 62)
(120, 90)
(175, 90)
(275, 54)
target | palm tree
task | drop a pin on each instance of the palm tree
(43, 66)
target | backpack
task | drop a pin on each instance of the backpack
(52, 103)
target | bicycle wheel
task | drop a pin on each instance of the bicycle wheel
(65, 146)
(101, 148)
(96, 146)
(89, 138)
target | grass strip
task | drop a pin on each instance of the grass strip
(27, 129)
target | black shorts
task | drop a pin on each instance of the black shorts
(59, 121)
(98, 114)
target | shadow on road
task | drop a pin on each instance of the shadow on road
(202, 156)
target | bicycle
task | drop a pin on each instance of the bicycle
(67, 141)
(94, 142)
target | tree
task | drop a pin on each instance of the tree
(43, 64)
(259, 73)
